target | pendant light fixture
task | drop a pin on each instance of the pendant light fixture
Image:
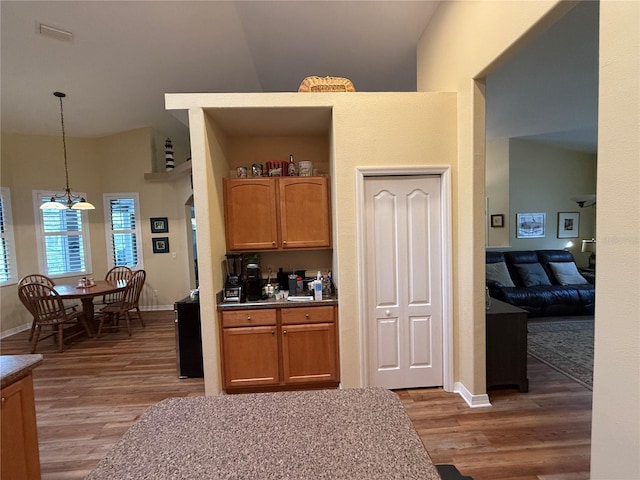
(75, 202)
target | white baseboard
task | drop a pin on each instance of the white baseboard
(155, 308)
(14, 330)
(474, 401)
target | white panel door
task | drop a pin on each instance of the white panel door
(403, 281)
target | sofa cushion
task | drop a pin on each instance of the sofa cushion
(567, 273)
(532, 274)
(497, 272)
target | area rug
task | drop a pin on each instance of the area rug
(566, 346)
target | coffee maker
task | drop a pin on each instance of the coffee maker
(253, 282)
(233, 291)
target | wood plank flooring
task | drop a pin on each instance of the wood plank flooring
(89, 395)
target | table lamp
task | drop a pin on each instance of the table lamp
(590, 246)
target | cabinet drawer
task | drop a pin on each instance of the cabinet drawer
(247, 318)
(306, 315)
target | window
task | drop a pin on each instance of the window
(8, 270)
(122, 225)
(63, 238)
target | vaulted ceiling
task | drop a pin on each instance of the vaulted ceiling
(124, 56)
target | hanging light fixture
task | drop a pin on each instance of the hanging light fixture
(75, 202)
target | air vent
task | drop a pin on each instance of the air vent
(53, 32)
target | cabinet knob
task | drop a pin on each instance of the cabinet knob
(273, 242)
(248, 318)
(284, 332)
(306, 315)
(273, 332)
(284, 242)
(387, 313)
(3, 400)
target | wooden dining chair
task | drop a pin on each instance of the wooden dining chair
(128, 306)
(48, 309)
(119, 273)
(44, 280)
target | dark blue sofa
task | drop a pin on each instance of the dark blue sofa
(530, 289)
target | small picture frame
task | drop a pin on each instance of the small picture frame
(159, 225)
(568, 224)
(497, 220)
(530, 225)
(160, 244)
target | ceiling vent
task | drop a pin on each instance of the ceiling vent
(53, 32)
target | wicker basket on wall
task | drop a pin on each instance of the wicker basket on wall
(326, 84)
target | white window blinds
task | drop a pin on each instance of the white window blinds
(64, 236)
(8, 270)
(123, 229)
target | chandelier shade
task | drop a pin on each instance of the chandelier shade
(67, 199)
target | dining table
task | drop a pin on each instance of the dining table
(73, 291)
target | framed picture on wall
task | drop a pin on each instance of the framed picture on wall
(568, 224)
(160, 244)
(159, 225)
(497, 220)
(530, 225)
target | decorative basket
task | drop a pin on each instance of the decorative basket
(326, 84)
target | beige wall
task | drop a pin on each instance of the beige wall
(543, 178)
(113, 164)
(463, 40)
(615, 440)
(466, 40)
(368, 129)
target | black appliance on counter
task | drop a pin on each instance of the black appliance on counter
(254, 282)
(188, 338)
(233, 286)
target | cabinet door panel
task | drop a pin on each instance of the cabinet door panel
(250, 214)
(307, 315)
(304, 212)
(309, 353)
(20, 456)
(250, 356)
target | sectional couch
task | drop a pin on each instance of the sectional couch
(543, 282)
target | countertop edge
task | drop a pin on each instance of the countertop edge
(260, 304)
(16, 367)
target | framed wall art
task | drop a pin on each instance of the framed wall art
(568, 224)
(497, 220)
(160, 244)
(159, 225)
(530, 225)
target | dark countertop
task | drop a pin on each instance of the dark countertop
(273, 303)
(15, 367)
(360, 433)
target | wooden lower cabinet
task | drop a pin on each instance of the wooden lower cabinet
(297, 350)
(20, 456)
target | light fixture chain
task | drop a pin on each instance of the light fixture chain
(64, 145)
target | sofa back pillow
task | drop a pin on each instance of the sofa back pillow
(497, 272)
(532, 274)
(567, 273)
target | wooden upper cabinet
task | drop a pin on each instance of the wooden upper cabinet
(305, 220)
(251, 220)
(277, 213)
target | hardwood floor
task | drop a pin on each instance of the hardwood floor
(89, 395)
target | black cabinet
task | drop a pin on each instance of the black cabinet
(506, 346)
(188, 338)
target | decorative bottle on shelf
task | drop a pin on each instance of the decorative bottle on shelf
(169, 162)
(291, 168)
